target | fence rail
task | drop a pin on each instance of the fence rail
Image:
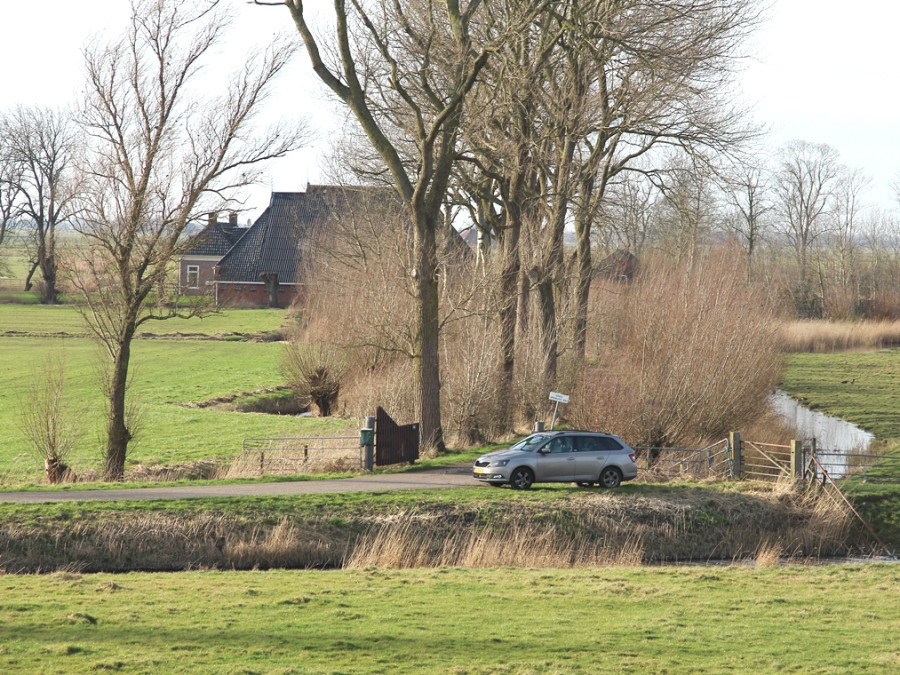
(297, 455)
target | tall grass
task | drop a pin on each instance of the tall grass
(405, 543)
(592, 529)
(834, 336)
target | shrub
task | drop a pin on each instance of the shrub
(693, 353)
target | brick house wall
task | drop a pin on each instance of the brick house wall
(253, 294)
(201, 281)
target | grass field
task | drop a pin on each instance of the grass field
(863, 388)
(44, 320)
(833, 619)
(166, 375)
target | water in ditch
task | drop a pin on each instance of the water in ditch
(837, 440)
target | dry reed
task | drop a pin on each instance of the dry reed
(755, 521)
(832, 336)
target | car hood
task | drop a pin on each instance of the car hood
(499, 454)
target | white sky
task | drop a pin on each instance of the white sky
(826, 71)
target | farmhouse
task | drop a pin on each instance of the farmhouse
(261, 265)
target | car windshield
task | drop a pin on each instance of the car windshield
(531, 443)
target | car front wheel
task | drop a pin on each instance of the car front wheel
(610, 477)
(521, 478)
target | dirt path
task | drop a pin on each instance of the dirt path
(453, 476)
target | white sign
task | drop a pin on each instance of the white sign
(559, 398)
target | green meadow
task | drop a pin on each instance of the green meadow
(168, 376)
(827, 619)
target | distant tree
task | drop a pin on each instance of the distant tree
(806, 178)
(751, 201)
(159, 154)
(9, 185)
(43, 143)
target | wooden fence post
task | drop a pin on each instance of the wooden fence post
(797, 459)
(734, 440)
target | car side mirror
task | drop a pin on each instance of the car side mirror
(544, 451)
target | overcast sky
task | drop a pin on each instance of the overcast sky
(825, 71)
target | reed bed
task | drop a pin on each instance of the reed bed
(835, 336)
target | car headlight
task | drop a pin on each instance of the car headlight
(500, 462)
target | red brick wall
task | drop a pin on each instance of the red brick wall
(254, 295)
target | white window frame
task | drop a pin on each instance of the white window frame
(195, 271)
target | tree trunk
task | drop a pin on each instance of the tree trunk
(49, 294)
(117, 433)
(427, 363)
(508, 305)
(29, 276)
(549, 338)
(270, 282)
(584, 273)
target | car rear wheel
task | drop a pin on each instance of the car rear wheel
(610, 477)
(521, 478)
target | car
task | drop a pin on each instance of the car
(582, 457)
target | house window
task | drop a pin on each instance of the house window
(193, 276)
(238, 287)
(252, 288)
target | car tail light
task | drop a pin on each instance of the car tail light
(632, 457)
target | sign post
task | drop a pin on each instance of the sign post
(557, 398)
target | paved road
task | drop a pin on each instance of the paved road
(453, 476)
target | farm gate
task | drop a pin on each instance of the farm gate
(394, 443)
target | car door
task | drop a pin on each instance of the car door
(592, 455)
(556, 462)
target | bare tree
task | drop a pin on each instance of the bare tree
(44, 144)
(848, 207)
(159, 154)
(10, 179)
(805, 182)
(404, 69)
(749, 196)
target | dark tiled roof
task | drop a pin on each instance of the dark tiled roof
(276, 240)
(215, 239)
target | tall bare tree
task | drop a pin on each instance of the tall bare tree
(160, 153)
(404, 69)
(805, 181)
(44, 144)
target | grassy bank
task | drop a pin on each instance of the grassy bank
(676, 620)
(558, 526)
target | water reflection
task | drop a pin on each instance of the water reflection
(835, 438)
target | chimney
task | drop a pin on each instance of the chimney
(232, 218)
(213, 217)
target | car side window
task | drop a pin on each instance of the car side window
(598, 444)
(561, 444)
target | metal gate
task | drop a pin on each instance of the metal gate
(394, 443)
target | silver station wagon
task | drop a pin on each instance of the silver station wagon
(582, 457)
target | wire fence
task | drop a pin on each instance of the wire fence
(658, 464)
(297, 455)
